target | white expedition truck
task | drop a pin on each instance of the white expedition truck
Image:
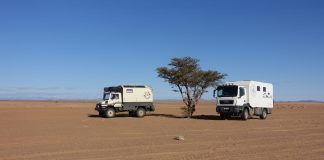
(135, 99)
(244, 99)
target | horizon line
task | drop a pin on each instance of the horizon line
(159, 99)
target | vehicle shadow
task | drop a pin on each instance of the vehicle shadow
(117, 115)
(217, 117)
(94, 116)
(198, 117)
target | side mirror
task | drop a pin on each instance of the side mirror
(214, 93)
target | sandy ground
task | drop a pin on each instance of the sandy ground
(41, 130)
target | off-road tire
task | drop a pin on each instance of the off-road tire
(264, 114)
(245, 114)
(140, 112)
(110, 113)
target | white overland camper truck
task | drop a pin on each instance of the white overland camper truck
(244, 99)
(135, 99)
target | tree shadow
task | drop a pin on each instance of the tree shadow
(206, 117)
(165, 115)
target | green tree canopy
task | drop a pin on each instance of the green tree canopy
(189, 79)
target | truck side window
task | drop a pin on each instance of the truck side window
(258, 88)
(115, 96)
(264, 89)
(242, 92)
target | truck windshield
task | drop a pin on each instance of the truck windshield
(227, 91)
(106, 96)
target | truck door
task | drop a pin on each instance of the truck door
(241, 99)
(117, 100)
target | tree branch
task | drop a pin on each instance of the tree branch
(181, 92)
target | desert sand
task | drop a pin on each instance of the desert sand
(39, 130)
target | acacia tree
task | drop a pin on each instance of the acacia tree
(189, 80)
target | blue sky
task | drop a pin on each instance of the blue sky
(71, 49)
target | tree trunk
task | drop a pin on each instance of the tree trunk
(191, 110)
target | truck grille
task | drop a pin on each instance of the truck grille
(226, 101)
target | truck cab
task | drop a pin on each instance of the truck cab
(231, 95)
(111, 99)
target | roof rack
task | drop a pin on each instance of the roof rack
(133, 86)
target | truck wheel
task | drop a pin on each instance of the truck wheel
(245, 114)
(110, 113)
(264, 114)
(140, 112)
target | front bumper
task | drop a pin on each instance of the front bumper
(229, 109)
(100, 108)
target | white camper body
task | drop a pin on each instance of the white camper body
(136, 99)
(137, 94)
(245, 98)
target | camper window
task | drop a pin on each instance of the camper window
(258, 88)
(264, 89)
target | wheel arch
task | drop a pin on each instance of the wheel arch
(249, 108)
